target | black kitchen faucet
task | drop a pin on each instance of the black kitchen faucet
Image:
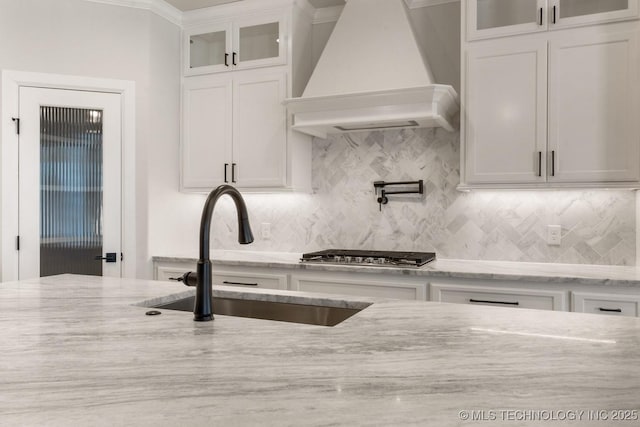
(202, 310)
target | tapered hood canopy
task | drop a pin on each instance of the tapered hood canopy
(372, 75)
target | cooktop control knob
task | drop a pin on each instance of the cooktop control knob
(369, 260)
(337, 258)
(347, 258)
(381, 260)
(358, 259)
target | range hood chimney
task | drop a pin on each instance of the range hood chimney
(372, 75)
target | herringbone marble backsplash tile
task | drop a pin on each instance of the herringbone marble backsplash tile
(598, 227)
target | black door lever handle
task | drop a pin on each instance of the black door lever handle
(111, 257)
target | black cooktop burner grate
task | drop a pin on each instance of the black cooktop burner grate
(354, 256)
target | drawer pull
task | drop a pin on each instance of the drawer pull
(239, 283)
(493, 302)
(610, 310)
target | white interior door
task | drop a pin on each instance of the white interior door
(69, 182)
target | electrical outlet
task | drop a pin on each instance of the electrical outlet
(266, 230)
(554, 235)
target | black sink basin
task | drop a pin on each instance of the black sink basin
(285, 312)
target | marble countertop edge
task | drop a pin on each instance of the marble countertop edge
(590, 274)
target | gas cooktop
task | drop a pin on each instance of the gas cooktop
(369, 258)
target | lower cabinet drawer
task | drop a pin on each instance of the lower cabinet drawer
(498, 297)
(410, 291)
(612, 305)
(249, 280)
(227, 278)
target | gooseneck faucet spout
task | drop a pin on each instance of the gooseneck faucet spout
(203, 311)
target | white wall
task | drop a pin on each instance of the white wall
(77, 37)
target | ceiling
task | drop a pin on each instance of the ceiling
(185, 5)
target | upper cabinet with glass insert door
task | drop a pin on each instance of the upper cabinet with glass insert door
(235, 44)
(497, 18)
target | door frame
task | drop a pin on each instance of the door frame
(11, 83)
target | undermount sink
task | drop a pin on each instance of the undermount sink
(320, 315)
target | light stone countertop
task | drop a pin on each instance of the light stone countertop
(77, 350)
(589, 274)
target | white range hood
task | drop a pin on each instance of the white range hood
(372, 75)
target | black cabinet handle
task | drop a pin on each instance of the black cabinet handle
(235, 55)
(226, 166)
(553, 163)
(239, 283)
(233, 172)
(539, 163)
(540, 22)
(493, 302)
(226, 59)
(610, 310)
(554, 14)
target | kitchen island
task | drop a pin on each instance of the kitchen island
(79, 350)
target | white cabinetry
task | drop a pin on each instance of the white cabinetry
(514, 297)
(360, 284)
(235, 43)
(575, 296)
(506, 112)
(496, 18)
(241, 61)
(553, 109)
(242, 278)
(593, 106)
(235, 130)
(249, 277)
(605, 303)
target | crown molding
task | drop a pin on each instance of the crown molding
(177, 17)
(159, 7)
(228, 10)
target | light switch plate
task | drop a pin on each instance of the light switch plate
(554, 235)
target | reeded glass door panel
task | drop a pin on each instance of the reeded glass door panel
(69, 183)
(572, 8)
(259, 41)
(503, 13)
(207, 49)
(70, 190)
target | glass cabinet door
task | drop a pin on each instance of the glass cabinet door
(259, 42)
(492, 18)
(243, 43)
(578, 12)
(207, 49)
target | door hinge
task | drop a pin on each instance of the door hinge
(17, 243)
(16, 120)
